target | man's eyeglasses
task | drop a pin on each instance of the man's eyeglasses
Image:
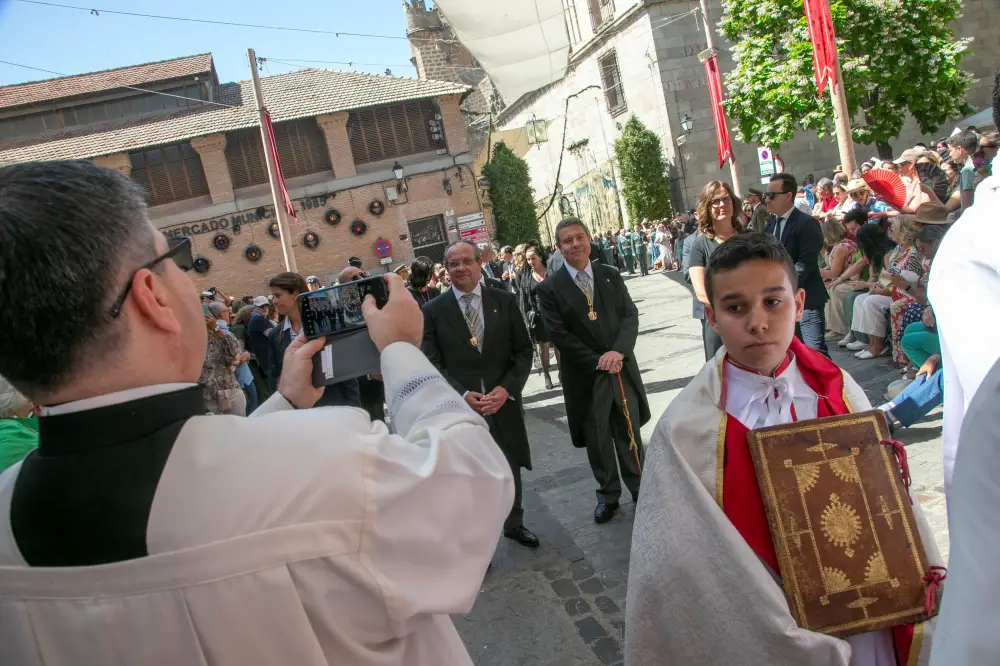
(360, 276)
(769, 196)
(179, 249)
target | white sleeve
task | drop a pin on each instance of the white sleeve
(438, 491)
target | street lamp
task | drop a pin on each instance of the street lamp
(686, 124)
(397, 170)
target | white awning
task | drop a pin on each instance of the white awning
(522, 44)
(983, 121)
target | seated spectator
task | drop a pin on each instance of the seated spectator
(837, 250)
(909, 298)
(18, 432)
(871, 310)
(926, 391)
(844, 203)
(825, 201)
(841, 287)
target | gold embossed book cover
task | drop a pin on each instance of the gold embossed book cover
(849, 554)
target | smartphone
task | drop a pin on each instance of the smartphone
(337, 310)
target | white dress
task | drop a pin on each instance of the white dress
(666, 255)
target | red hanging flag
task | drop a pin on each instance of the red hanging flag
(714, 80)
(269, 131)
(823, 41)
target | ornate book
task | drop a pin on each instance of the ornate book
(849, 554)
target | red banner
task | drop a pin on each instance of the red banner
(269, 130)
(714, 80)
(823, 41)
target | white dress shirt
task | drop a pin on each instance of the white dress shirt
(780, 223)
(588, 269)
(477, 300)
(115, 398)
(758, 401)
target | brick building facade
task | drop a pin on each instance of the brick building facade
(200, 160)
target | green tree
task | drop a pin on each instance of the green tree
(510, 196)
(896, 56)
(643, 171)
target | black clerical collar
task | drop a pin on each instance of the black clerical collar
(78, 431)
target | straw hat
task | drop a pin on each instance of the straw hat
(931, 213)
(855, 185)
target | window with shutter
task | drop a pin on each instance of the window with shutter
(169, 173)
(397, 130)
(245, 156)
(301, 148)
(601, 13)
(614, 93)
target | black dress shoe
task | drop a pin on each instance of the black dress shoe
(604, 512)
(522, 535)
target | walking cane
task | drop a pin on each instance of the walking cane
(628, 421)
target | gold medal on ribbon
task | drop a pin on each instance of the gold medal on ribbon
(592, 316)
(474, 340)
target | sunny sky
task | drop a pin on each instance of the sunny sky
(74, 41)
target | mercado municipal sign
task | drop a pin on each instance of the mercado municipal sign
(234, 222)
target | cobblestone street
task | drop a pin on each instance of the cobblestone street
(563, 603)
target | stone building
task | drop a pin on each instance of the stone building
(197, 152)
(641, 57)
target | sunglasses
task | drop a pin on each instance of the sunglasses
(360, 276)
(178, 249)
(769, 196)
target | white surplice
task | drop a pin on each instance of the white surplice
(299, 537)
(697, 592)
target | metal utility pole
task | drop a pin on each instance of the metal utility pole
(842, 120)
(734, 170)
(272, 170)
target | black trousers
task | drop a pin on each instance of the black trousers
(606, 434)
(516, 516)
(643, 261)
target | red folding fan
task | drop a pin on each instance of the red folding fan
(887, 185)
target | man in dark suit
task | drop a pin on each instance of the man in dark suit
(592, 321)
(475, 336)
(803, 238)
(759, 217)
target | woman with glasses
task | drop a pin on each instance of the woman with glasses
(718, 219)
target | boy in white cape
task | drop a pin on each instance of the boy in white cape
(703, 586)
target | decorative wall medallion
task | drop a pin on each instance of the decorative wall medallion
(221, 242)
(310, 240)
(333, 216)
(253, 253)
(273, 230)
(376, 207)
(201, 265)
(358, 228)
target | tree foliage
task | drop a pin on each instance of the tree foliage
(644, 172)
(896, 56)
(510, 196)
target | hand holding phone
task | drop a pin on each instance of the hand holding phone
(398, 320)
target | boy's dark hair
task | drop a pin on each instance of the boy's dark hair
(742, 248)
(966, 140)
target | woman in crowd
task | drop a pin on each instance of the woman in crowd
(530, 279)
(665, 254)
(285, 290)
(718, 219)
(871, 310)
(244, 377)
(837, 250)
(441, 277)
(421, 271)
(841, 287)
(241, 330)
(908, 290)
(220, 389)
(18, 432)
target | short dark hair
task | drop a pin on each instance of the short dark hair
(354, 261)
(290, 282)
(741, 248)
(788, 182)
(70, 232)
(931, 233)
(567, 222)
(967, 140)
(857, 215)
(420, 272)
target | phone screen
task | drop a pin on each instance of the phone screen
(337, 309)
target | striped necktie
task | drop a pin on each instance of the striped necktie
(473, 320)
